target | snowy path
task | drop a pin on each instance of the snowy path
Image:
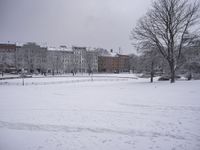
(119, 115)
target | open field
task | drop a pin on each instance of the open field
(109, 113)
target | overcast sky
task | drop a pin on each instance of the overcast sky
(95, 23)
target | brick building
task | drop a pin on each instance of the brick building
(124, 63)
(113, 64)
(7, 57)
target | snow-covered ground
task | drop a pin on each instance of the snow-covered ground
(108, 114)
(68, 78)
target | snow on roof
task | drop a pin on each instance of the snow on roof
(19, 44)
(60, 48)
(113, 54)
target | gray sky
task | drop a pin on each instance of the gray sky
(95, 23)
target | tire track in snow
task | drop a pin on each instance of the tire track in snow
(68, 129)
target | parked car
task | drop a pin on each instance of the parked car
(164, 78)
(25, 76)
(167, 78)
(116, 71)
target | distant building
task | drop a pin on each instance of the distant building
(7, 57)
(80, 63)
(32, 58)
(54, 62)
(60, 60)
(108, 64)
(68, 61)
(113, 63)
(124, 63)
(92, 61)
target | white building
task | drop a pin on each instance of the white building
(80, 64)
(59, 60)
(31, 57)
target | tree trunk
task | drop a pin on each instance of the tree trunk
(152, 71)
(172, 71)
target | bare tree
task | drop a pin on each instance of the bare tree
(134, 63)
(152, 62)
(165, 27)
(4, 65)
(191, 65)
(89, 62)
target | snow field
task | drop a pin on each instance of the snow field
(121, 115)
